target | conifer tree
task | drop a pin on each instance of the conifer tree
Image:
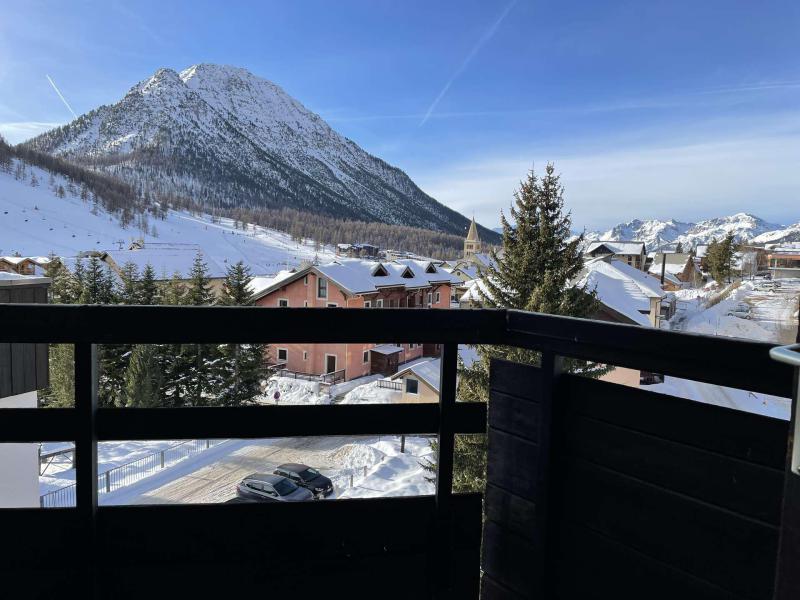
(719, 258)
(149, 292)
(129, 288)
(197, 360)
(65, 288)
(535, 271)
(242, 366)
(143, 378)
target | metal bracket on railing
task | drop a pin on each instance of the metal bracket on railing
(786, 354)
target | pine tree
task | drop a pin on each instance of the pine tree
(129, 289)
(98, 283)
(535, 271)
(197, 361)
(679, 248)
(143, 378)
(199, 292)
(719, 258)
(241, 366)
(149, 292)
(65, 288)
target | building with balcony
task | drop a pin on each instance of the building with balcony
(632, 253)
(784, 260)
(352, 283)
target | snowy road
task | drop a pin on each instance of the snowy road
(222, 467)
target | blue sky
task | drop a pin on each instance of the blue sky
(648, 109)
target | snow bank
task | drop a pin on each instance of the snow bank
(397, 474)
(371, 394)
(294, 391)
(752, 402)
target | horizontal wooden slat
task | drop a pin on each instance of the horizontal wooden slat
(513, 463)
(316, 549)
(512, 379)
(739, 434)
(725, 549)
(515, 415)
(283, 421)
(38, 425)
(515, 512)
(737, 485)
(589, 566)
(712, 359)
(108, 324)
(511, 559)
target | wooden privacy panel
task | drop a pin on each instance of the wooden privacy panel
(23, 367)
(646, 495)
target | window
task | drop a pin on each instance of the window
(332, 305)
(305, 355)
(322, 288)
(305, 303)
(393, 303)
(283, 303)
(366, 356)
(438, 297)
(430, 299)
(412, 386)
(367, 304)
(379, 303)
(305, 280)
(283, 354)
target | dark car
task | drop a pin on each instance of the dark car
(271, 488)
(306, 477)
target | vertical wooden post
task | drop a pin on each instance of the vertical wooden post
(86, 457)
(523, 416)
(787, 576)
(444, 468)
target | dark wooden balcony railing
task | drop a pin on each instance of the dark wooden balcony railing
(564, 451)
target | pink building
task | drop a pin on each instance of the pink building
(356, 284)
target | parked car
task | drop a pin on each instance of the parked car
(741, 310)
(271, 488)
(307, 477)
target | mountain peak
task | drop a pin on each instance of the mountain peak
(659, 235)
(220, 135)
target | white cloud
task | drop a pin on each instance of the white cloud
(687, 179)
(18, 132)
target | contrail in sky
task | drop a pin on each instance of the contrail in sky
(60, 95)
(472, 53)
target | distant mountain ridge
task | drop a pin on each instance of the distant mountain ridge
(226, 138)
(659, 235)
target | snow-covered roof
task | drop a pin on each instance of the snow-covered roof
(15, 260)
(476, 291)
(427, 371)
(259, 284)
(617, 247)
(484, 259)
(622, 288)
(387, 349)
(675, 263)
(356, 276)
(167, 260)
(7, 279)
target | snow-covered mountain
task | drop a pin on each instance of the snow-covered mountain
(667, 234)
(224, 137)
(37, 221)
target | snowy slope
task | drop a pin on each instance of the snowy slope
(659, 235)
(221, 135)
(35, 221)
